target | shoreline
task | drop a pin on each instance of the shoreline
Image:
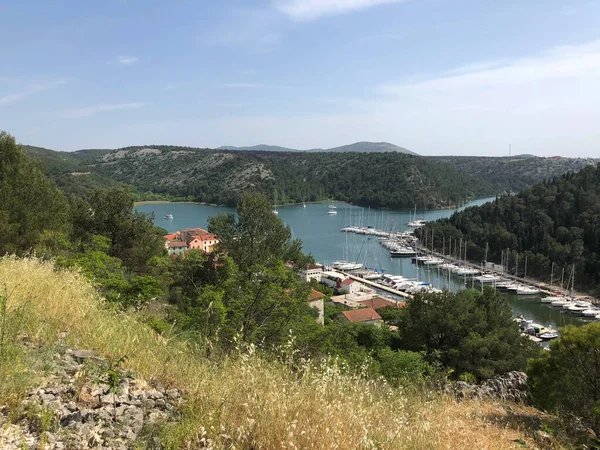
(159, 202)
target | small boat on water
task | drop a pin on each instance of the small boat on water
(578, 307)
(552, 299)
(169, 217)
(591, 312)
(417, 223)
(345, 265)
(550, 334)
(526, 290)
(559, 303)
(332, 210)
(402, 252)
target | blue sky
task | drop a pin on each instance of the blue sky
(463, 77)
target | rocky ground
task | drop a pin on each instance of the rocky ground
(88, 402)
(511, 387)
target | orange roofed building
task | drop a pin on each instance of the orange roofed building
(363, 315)
(379, 302)
(190, 239)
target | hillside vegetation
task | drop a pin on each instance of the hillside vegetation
(381, 178)
(243, 400)
(516, 173)
(554, 222)
(392, 180)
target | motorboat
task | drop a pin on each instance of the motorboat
(552, 299)
(417, 223)
(433, 261)
(526, 290)
(559, 303)
(343, 265)
(487, 278)
(402, 252)
(578, 308)
(169, 217)
(592, 312)
(331, 210)
(550, 334)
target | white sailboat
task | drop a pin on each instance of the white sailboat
(332, 209)
(275, 211)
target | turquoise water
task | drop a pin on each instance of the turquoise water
(321, 236)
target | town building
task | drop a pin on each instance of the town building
(176, 247)
(190, 239)
(364, 315)
(316, 300)
(311, 272)
(380, 302)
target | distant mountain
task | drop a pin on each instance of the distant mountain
(370, 147)
(357, 147)
(261, 148)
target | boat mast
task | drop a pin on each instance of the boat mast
(552, 275)
(525, 275)
(573, 280)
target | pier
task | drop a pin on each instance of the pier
(374, 285)
(407, 240)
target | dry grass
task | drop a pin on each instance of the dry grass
(248, 402)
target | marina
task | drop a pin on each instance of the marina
(321, 237)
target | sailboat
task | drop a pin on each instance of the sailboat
(275, 204)
(332, 209)
(345, 265)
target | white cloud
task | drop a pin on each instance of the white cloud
(78, 113)
(31, 89)
(127, 60)
(12, 98)
(313, 9)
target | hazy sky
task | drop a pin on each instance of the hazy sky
(435, 76)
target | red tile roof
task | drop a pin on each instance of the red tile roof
(177, 244)
(170, 237)
(361, 315)
(348, 281)
(205, 237)
(379, 302)
(315, 295)
(312, 267)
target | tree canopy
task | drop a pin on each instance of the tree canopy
(468, 331)
(567, 378)
(29, 204)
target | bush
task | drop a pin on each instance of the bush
(567, 378)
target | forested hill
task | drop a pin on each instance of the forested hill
(393, 180)
(386, 179)
(557, 221)
(516, 173)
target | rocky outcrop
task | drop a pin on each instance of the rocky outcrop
(75, 408)
(511, 387)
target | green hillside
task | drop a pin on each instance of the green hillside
(516, 173)
(392, 180)
(556, 221)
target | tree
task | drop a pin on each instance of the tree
(567, 378)
(467, 331)
(256, 236)
(29, 203)
(132, 236)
